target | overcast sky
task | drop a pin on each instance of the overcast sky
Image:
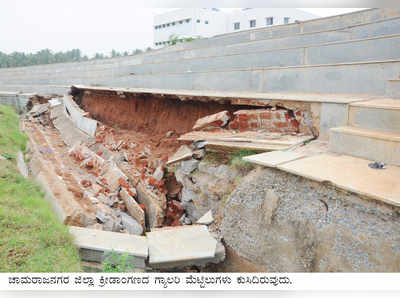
(92, 26)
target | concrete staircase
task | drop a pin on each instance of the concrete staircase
(373, 131)
(349, 54)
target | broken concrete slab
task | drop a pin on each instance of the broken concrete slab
(154, 212)
(273, 158)
(184, 152)
(79, 117)
(69, 133)
(133, 207)
(94, 243)
(178, 246)
(213, 121)
(113, 175)
(131, 225)
(206, 219)
(351, 174)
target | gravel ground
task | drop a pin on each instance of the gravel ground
(287, 223)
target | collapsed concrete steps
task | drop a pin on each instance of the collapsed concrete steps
(366, 143)
(168, 247)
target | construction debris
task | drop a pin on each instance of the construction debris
(206, 219)
(184, 152)
(212, 122)
(123, 182)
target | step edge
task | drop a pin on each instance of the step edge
(365, 132)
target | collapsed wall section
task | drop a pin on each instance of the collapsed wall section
(158, 113)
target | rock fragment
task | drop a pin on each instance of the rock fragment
(133, 207)
(131, 225)
(212, 122)
(206, 219)
(183, 153)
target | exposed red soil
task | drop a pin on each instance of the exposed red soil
(148, 114)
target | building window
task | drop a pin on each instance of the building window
(168, 25)
(173, 23)
(236, 26)
(163, 25)
(198, 21)
(269, 21)
(180, 22)
(206, 22)
(286, 20)
(252, 23)
(187, 20)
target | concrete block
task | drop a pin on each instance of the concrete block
(179, 246)
(154, 211)
(94, 244)
(87, 125)
(133, 207)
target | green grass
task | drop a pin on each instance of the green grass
(236, 160)
(118, 263)
(31, 237)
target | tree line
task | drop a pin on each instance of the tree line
(47, 56)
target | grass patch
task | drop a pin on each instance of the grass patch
(118, 263)
(31, 237)
(236, 160)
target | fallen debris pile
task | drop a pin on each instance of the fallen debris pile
(123, 180)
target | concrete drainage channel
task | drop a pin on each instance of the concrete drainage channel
(109, 173)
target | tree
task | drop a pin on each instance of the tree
(137, 51)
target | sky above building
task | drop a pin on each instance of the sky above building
(92, 26)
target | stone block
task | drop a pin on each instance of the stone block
(181, 245)
(133, 207)
(154, 211)
(213, 121)
(131, 225)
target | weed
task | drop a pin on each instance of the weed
(116, 262)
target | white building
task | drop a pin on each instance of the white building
(208, 22)
(251, 18)
(188, 22)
